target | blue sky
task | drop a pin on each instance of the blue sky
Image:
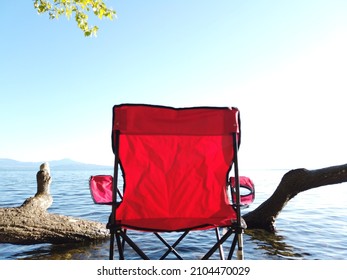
(282, 63)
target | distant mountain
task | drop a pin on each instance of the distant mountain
(54, 164)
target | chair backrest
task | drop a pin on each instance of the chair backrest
(175, 162)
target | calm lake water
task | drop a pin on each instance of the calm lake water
(313, 225)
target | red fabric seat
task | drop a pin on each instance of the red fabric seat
(176, 180)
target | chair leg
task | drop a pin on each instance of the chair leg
(216, 246)
(120, 245)
(221, 251)
(240, 246)
(111, 250)
(232, 248)
(123, 242)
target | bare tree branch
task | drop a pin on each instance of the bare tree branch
(292, 183)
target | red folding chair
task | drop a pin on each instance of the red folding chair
(176, 165)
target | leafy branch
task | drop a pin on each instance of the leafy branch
(79, 9)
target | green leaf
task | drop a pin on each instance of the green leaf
(79, 8)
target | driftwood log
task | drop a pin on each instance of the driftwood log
(292, 183)
(32, 224)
